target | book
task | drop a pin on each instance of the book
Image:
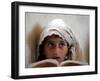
(55, 63)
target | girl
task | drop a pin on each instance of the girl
(57, 41)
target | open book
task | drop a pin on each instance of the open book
(55, 63)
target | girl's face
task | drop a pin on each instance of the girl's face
(55, 48)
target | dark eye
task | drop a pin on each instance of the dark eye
(49, 44)
(62, 44)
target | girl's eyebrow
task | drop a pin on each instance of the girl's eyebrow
(54, 41)
(62, 41)
(49, 41)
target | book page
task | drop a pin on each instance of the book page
(45, 63)
(72, 63)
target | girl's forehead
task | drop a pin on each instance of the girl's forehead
(54, 38)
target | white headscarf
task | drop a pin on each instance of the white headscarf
(58, 27)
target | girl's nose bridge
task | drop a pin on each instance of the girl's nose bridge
(56, 48)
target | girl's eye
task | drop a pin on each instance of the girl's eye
(49, 44)
(62, 44)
